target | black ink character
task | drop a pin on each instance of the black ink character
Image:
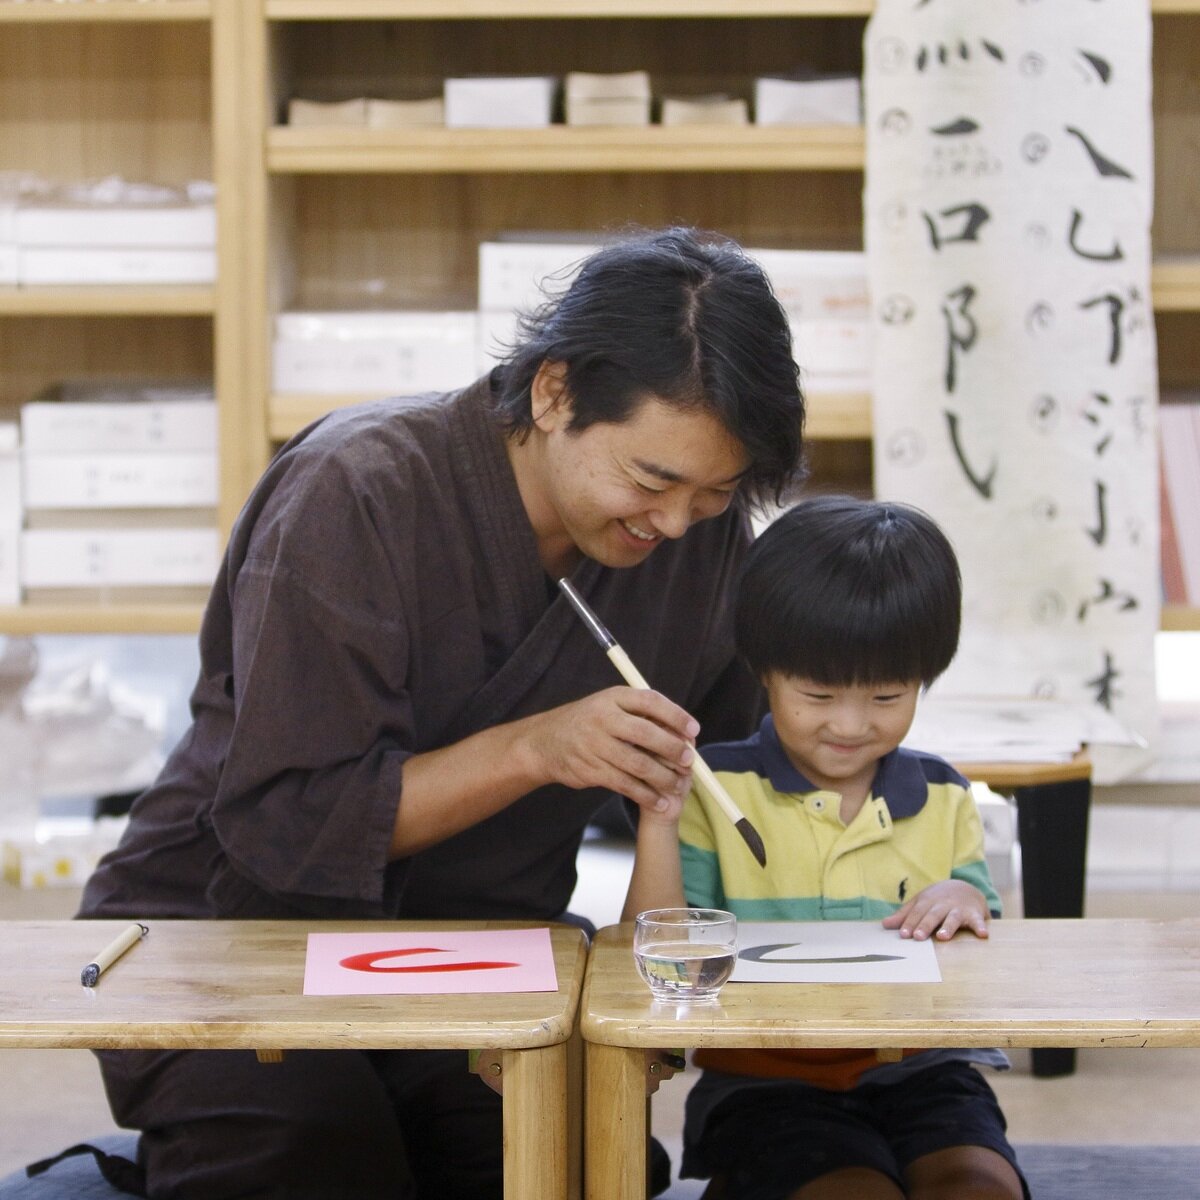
(1115, 254)
(1116, 306)
(1099, 418)
(1108, 594)
(1101, 66)
(973, 217)
(1104, 166)
(962, 329)
(1104, 684)
(1099, 534)
(981, 483)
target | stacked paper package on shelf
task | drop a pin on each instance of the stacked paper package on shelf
(120, 489)
(10, 513)
(16, 188)
(500, 101)
(517, 275)
(824, 293)
(622, 98)
(113, 231)
(373, 353)
(808, 99)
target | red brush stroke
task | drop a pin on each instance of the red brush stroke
(367, 961)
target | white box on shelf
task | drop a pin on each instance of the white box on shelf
(101, 426)
(621, 98)
(174, 226)
(150, 479)
(782, 101)
(405, 114)
(93, 426)
(705, 110)
(8, 264)
(10, 573)
(380, 353)
(51, 265)
(818, 284)
(327, 112)
(10, 476)
(497, 331)
(512, 274)
(500, 101)
(121, 557)
(833, 351)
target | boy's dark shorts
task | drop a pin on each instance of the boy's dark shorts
(768, 1143)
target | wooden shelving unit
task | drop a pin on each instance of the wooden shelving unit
(310, 217)
(145, 89)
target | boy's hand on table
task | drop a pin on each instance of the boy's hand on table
(940, 911)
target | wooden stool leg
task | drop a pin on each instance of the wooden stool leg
(536, 1122)
(616, 1123)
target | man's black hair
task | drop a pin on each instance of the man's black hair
(845, 591)
(685, 317)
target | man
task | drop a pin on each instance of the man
(398, 716)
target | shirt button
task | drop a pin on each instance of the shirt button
(818, 805)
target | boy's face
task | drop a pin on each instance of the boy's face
(835, 736)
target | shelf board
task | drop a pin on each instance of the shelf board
(1180, 618)
(561, 148)
(830, 417)
(1175, 284)
(328, 10)
(29, 619)
(100, 301)
(324, 10)
(105, 10)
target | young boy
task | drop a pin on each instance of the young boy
(846, 610)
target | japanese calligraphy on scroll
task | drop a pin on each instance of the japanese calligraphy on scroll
(1007, 226)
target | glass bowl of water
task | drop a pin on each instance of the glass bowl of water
(685, 953)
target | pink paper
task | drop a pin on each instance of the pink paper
(436, 962)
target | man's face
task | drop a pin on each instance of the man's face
(835, 736)
(616, 491)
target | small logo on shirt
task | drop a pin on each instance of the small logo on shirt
(903, 889)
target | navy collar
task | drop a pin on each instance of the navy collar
(899, 780)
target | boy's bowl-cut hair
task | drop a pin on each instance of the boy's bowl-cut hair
(845, 591)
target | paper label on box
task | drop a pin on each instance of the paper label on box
(512, 274)
(173, 226)
(88, 426)
(384, 353)
(10, 576)
(818, 284)
(147, 480)
(56, 265)
(53, 558)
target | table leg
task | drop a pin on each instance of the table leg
(537, 1152)
(616, 1124)
(1052, 825)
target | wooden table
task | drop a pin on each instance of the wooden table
(1113, 983)
(239, 985)
(1053, 804)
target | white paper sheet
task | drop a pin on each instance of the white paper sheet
(831, 952)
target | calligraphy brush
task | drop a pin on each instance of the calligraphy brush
(632, 676)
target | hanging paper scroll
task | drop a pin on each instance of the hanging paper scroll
(1007, 227)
